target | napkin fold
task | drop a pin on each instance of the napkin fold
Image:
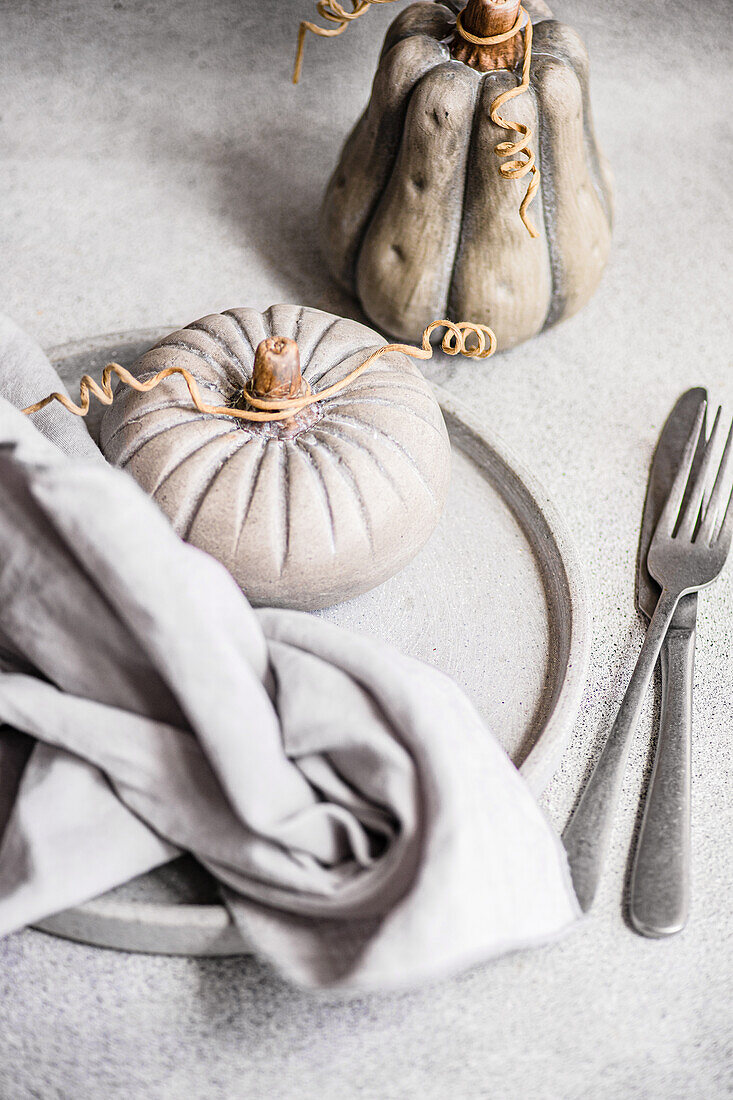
(366, 829)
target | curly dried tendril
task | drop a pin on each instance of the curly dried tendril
(105, 395)
(517, 168)
(333, 12)
(455, 342)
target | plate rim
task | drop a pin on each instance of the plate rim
(118, 922)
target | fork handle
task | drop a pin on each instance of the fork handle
(660, 882)
(588, 831)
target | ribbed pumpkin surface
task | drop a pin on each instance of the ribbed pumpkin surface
(301, 518)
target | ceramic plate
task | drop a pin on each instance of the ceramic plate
(496, 599)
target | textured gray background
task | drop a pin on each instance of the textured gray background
(155, 164)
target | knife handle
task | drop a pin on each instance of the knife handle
(588, 832)
(660, 881)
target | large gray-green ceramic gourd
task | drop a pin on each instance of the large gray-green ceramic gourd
(417, 221)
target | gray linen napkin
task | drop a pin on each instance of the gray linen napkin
(367, 830)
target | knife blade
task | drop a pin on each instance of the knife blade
(659, 894)
(665, 464)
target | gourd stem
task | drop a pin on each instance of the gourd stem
(485, 19)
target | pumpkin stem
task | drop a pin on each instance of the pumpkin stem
(276, 374)
(484, 19)
(276, 371)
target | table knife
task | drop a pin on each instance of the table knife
(660, 882)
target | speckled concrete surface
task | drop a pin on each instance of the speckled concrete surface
(144, 174)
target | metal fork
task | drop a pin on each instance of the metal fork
(687, 552)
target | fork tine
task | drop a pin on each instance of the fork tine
(696, 491)
(719, 498)
(671, 509)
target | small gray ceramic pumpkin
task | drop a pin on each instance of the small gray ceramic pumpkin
(417, 221)
(304, 512)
